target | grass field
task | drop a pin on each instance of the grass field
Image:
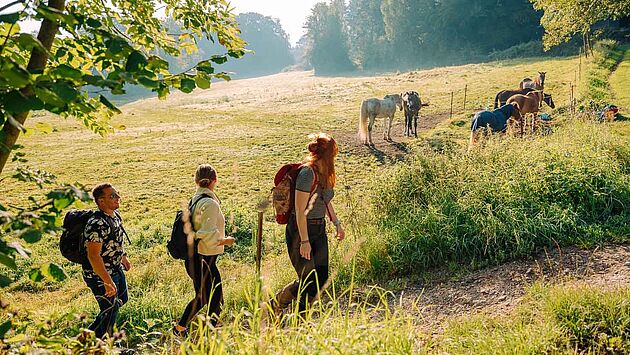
(247, 129)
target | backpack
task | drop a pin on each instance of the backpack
(283, 192)
(178, 244)
(71, 242)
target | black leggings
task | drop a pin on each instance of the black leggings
(203, 270)
(312, 274)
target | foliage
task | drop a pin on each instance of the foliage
(103, 47)
(43, 216)
(328, 45)
(497, 204)
(564, 18)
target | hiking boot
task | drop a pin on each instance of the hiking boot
(180, 333)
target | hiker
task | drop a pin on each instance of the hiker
(209, 223)
(305, 234)
(103, 238)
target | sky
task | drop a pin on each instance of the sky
(291, 13)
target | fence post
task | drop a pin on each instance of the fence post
(465, 91)
(451, 114)
(580, 66)
(572, 102)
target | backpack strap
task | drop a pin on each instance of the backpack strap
(102, 215)
(193, 203)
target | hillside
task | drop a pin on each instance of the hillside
(248, 128)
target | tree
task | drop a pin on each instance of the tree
(85, 45)
(562, 19)
(366, 32)
(327, 42)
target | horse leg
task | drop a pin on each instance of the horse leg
(370, 126)
(389, 128)
(415, 126)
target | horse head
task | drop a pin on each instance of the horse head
(540, 80)
(397, 98)
(549, 100)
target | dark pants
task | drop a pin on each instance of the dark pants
(203, 270)
(312, 274)
(109, 306)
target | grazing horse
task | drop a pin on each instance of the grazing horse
(496, 120)
(372, 108)
(502, 97)
(538, 83)
(411, 106)
(529, 103)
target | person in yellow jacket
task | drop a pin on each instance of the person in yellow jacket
(209, 226)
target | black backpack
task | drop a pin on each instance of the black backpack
(71, 242)
(178, 244)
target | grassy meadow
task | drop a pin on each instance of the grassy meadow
(438, 206)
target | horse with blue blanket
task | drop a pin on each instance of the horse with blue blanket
(496, 121)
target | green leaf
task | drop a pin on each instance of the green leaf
(16, 76)
(7, 261)
(187, 85)
(55, 15)
(28, 42)
(48, 96)
(136, 61)
(94, 23)
(53, 272)
(5, 280)
(219, 59)
(236, 53)
(15, 102)
(116, 45)
(108, 104)
(205, 66)
(202, 82)
(163, 92)
(62, 202)
(64, 91)
(36, 275)
(10, 18)
(65, 71)
(32, 236)
(4, 328)
(149, 83)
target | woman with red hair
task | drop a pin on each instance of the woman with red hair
(306, 238)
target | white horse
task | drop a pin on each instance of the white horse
(372, 108)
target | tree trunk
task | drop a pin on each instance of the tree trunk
(37, 62)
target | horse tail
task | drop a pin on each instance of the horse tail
(475, 123)
(363, 122)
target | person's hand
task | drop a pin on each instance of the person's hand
(125, 263)
(227, 241)
(305, 250)
(110, 289)
(341, 234)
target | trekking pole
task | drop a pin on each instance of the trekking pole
(451, 114)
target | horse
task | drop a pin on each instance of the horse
(503, 95)
(372, 108)
(496, 120)
(411, 106)
(529, 103)
(537, 84)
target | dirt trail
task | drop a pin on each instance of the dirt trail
(499, 289)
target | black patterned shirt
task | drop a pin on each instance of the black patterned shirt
(98, 229)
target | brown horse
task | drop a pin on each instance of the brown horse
(529, 103)
(538, 83)
(503, 95)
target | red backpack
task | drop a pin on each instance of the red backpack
(283, 192)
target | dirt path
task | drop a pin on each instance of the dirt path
(384, 151)
(499, 289)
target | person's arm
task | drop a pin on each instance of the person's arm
(341, 234)
(301, 201)
(223, 239)
(94, 256)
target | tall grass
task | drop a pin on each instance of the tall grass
(503, 201)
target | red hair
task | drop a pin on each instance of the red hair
(322, 152)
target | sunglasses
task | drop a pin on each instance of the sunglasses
(114, 195)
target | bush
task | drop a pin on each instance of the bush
(502, 202)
